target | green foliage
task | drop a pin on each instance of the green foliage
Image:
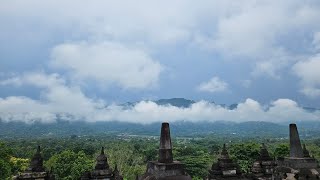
(281, 150)
(69, 165)
(317, 142)
(18, 164)
(5, 169)
(150, 153)
(5, 151)
(5, 166)
(196, 159)
(245, 154)
(70, 157)
(212, 145)
(128, 157)
(314, 150)
(148, 150)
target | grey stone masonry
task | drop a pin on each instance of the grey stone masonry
(295, 144)
(263, 167)
(225, 168)
(299, 165)
(165, 168)
(165, 149)
(102, 170)
(36, 170)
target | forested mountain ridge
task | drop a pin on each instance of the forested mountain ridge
(181, 128)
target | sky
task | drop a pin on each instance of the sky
(83, 58)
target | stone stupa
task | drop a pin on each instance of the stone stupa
(102, 170)
(263, 167)
(225, 168)
(299, 165)
(35, 171)
(165, 168)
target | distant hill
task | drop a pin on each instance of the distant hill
(178, 102)
(183, 128)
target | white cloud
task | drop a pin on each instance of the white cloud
(148, 112)
(38, 79)
(215, 84)
(108, 63)
(308, 72)
(263, 33)
(56, 98)
(250, 110)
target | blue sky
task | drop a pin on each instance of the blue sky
(109, 52)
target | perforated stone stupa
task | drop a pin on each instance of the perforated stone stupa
(102, 170)
(36, 170)
(263, 167)
(225, 168)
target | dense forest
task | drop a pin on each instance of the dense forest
(63, 128)
(69, 157)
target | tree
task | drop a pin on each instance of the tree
(196, 160)
(5, 166)
(128, 157)
(282, 150)
(69, 165)
(5, 169)
(245, 154)
(19, 164)
(150, 153)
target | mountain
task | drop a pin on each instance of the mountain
(252, 129)
(178, 102)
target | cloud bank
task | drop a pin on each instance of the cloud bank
(61, 101)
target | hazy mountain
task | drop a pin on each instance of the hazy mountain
(181, 128)
(178, 102)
